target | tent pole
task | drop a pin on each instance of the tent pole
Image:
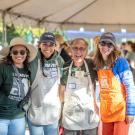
(4, 32)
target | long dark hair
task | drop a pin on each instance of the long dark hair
(41, 61)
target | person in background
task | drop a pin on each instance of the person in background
(117, 89)
(77, 93)
(128, 51)
(44, 112)
(14, 85)
(95, 44)
(59, 41)
(123, 50)
(130, 56)
(63, 48)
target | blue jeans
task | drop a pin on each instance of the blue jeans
(43, 129)
(12, 127)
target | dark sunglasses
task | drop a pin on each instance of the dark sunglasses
(108, 44)
(16, 52)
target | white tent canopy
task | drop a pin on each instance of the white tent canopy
(71, 14)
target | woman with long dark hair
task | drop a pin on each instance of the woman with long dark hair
(14, 85)
(44, 112)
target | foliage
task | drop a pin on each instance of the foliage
(26, 32)
(11, 32)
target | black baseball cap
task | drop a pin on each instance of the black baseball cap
(47, 37)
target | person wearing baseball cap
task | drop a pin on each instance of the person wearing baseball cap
(44, 112)
(108, 37)
(47, 37)
(117, 89)
(14, 85)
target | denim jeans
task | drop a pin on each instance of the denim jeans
(12, 127)
(43, 129)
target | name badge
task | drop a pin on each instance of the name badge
(54, 74)
(72, 86)
(104, 83)
(79, 74)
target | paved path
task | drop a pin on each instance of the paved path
(132, 129)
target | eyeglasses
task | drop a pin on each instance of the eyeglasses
(16, 52)
(81, 49)
(108, 44)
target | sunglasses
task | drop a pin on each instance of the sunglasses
(81, 49)
(16, 52)
(108, 44)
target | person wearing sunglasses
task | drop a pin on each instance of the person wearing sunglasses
(77, 93)
(117, 89)
(14, 85)
(44, 112)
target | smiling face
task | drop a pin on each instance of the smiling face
(79, 50)
(47, 49)
(105, 49)
(18, 54)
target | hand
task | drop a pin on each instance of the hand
(61, 113)
(60, 121)
(129, 119)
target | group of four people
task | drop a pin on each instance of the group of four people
(65, 91)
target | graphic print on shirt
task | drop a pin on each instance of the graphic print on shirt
(49, 77)
(19, 91)
(50, 70)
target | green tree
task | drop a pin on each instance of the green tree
(11, 32)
